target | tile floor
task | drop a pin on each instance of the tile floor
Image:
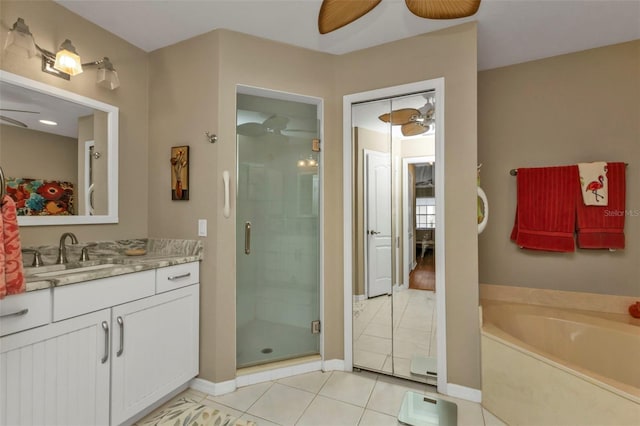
(330, 399)
(414, 330)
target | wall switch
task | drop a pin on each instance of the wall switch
(202, 227)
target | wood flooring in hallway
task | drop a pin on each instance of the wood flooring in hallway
(423, 277)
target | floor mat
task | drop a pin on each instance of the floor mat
(184, 412)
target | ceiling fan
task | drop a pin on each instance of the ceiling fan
(276, 124)
(13, 120)
(412, 121)
(335, 14)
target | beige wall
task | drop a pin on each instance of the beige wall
(202, 97)
(185, 102)
(183, 105)
(50, 24)
(27, 153)
(449, 53)
(192, 90)
(567, 109)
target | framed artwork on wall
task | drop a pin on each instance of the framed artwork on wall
(180, 172)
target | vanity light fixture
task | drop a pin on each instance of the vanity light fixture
(48, 122)
(65, 62)
(107, 75)
(20, 39)
(67, 59)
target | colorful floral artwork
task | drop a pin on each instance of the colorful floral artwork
(38, 197)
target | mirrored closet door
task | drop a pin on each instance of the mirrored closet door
(394, 318)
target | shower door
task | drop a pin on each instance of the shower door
(277, 227)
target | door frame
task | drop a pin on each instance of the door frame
(436, 84)
(409, 245)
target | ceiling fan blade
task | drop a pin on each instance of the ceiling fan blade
(400, 116)
(251, 129)
(443, 9)
(19, 110)
(335, 14)
(12, 121)
(413, 129)
(276, 122)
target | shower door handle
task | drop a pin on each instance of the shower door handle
(247, 238)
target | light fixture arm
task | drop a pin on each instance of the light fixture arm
(44, 52)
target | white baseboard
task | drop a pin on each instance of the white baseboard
(463, 392)
(221, 388)
(278, 373)
(212, 388)
(333, 365)
(359, 297)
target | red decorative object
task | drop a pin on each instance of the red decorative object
(634, 310)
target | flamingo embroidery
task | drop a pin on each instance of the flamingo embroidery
(594, 186)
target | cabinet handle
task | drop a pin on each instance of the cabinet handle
(121, 324)
(247, 238)
(25, 311)
(177, 277)
(105, 327)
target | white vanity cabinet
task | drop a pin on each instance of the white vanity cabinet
(112, 348)
(154, 349)
(57, 374)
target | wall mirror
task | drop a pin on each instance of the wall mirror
(395, 216)
(59, 153)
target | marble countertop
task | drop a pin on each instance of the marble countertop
(108, 259)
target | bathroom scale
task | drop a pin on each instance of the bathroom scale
(425, 367)
(422, 410)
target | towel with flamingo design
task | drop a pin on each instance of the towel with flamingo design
(594, 184)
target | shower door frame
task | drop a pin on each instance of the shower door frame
(319, 103)
(436, 84)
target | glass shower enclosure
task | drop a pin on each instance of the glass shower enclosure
(277, 226)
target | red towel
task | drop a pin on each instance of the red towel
(602, 227)
(546, 210)
(11, 271)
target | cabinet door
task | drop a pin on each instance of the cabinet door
(154, 349)
(57, 374)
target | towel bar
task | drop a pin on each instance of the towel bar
(514, 172)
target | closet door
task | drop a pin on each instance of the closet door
(393, 320)
(414, 297)
(373, 281)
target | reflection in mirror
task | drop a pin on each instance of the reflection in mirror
(394, 326)
(59, 153)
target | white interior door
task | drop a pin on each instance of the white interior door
(378, 230)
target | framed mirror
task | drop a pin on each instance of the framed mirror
(59, 154)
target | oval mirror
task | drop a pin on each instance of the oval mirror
(59, 154)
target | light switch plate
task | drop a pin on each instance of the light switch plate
(202, 227)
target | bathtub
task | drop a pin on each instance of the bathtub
(550, 366)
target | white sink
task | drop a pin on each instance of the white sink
(75, 270)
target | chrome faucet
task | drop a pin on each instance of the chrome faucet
(37, 257)
(62, 249)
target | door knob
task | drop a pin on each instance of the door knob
(373, 233)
